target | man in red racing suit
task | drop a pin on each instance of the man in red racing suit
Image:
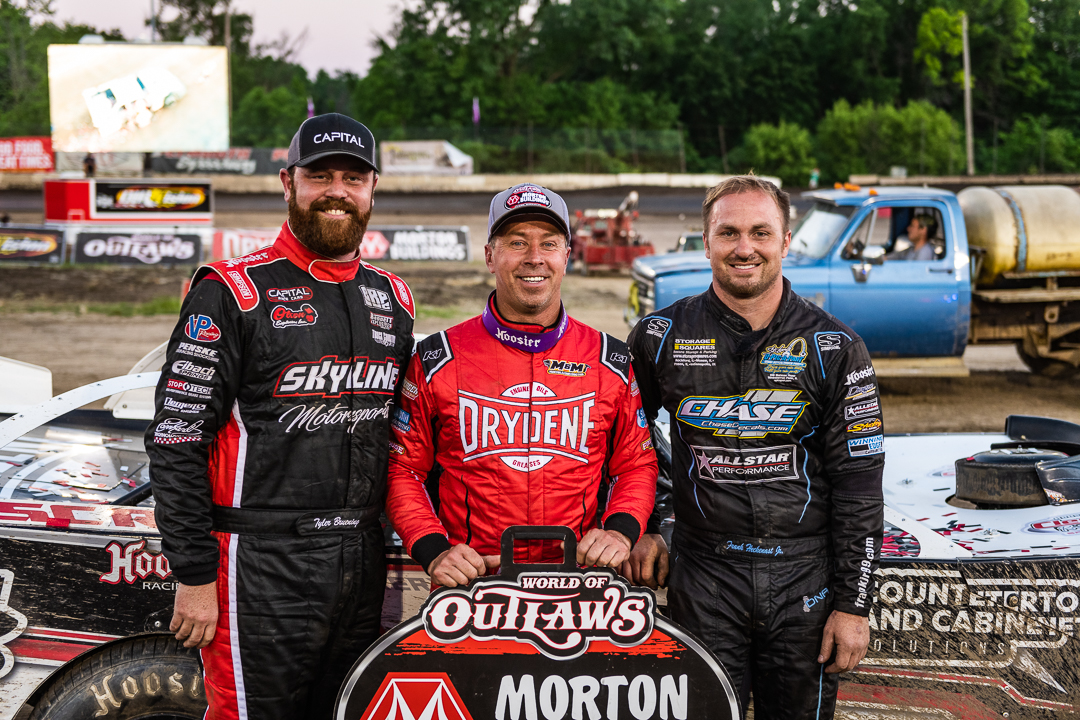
(524, 409)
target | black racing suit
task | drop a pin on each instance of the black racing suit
(268, 461)
(776, 464)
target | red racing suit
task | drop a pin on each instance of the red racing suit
(524, 426)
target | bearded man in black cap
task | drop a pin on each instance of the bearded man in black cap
(269, 447)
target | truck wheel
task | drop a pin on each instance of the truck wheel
(151, 676)
(1049, 367)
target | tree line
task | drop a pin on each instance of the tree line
(781, 86)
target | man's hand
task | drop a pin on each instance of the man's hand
(605, 548)
(460, 565)
(195, 614)
(648, 562)
(850, 635)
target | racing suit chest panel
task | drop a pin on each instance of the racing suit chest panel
(522, 435)
(316, 384)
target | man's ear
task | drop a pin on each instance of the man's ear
(286, 183)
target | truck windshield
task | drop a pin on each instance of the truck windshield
(819, 229)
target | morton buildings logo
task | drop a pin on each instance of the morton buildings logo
(557, 613)
(416, 696)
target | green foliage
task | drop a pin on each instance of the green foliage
(1033, 146)
(869, 138)
(269, 119)
(939, 33)
(784, 150)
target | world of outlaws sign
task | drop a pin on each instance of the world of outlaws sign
(547, 641)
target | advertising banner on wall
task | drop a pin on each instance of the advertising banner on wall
(423, 157)
(381, 243)
(119, 97)
(234, 161)
(142, 199)
(31, 245)
(26, 154)
(138, 247)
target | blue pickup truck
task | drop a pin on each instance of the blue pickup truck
(1005, 268)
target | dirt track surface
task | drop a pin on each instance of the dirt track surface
(81, 348)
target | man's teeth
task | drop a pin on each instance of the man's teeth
(336, 212)
(745, 267)
(533, 279)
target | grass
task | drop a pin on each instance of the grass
(444, 313)
(166, 305)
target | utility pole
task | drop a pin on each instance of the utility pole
(968, 123)
(723, 150)
(228, 30)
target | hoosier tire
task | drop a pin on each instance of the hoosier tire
(1006, 484)
(150, 676)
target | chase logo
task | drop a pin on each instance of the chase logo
(201, 328)
(756, 413)
(565, 367)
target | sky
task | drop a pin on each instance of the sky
(340, 32)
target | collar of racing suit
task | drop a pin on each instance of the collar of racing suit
(318, 266)
(748, 340)
(522, 336)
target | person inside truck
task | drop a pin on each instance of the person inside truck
(919, 231)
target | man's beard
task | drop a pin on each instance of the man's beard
(332, 238)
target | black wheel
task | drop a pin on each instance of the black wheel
(1003, 478)
(150, 676)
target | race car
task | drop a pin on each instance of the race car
(131, 101)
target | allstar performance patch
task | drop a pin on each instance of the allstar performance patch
(694, 353)
(784, 362)
(745, 465)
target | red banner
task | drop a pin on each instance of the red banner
(26, 154)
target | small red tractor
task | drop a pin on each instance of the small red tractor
(605, 239)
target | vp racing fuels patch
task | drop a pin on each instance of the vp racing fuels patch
(756, 413)
(782, 363)
(201, 328)
(746, 465)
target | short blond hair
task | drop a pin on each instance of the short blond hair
(739, 184)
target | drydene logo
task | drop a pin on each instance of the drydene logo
(565, 367)
(529, 195)
(783, 362)
(756, 413)
(201, 328)
(283, 317)
(283, 295)
(558, 614)
(416, 696)
(749, 465)
(526, 426)
(132, 562)
(332, 376)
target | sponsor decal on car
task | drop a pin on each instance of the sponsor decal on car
(383, 322)
(869, 407)
(864, 427)
(332, 376)
(873, 445)
(203, 353)
(409, 389)
(1060, 525)
(184, 407)
(182, 387)
(565, 367)
(376, 299)
(191, 370)
(384, 338)
(745, 465)
(856, 392)
(657, 327)
(783, 362)
(201, 328)
(857, 375)
(177, 430)
(283, 317)
(755, 413)
(132, 562)
(527, 195)
(694, 353)
(289, 295)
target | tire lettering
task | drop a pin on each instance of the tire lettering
(103, 695)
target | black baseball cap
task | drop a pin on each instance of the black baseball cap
(527, 199)
(331, 134)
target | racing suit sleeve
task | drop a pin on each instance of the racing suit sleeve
(413, 432)
(194, 400)
(642, 357)
(853, 458)
(631, 465)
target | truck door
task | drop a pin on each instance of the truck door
(900, 307)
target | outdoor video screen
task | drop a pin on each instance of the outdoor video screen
(138, 98)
